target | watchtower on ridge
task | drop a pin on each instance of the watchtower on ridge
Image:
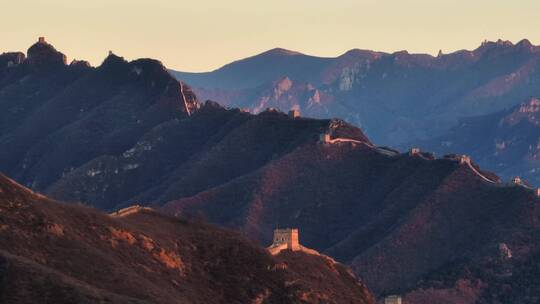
(465, 159)
(325, 138)
(288, 237)
(294, 113)
(394, 299)
(414, 151)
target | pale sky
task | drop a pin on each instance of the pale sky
(202, 35)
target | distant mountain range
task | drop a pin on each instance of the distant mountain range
(507, 141)
(52, 252)
(408, 223)
(396, 98)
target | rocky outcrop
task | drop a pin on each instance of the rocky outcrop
(82, 64)
(526, 111)
(44, 55)
(11, 59)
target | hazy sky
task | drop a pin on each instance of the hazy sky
(200, 35)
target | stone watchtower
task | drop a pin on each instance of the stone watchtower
(288, 237)
(294, 113)
(325, 138)
(465, 159)
(394, 299)
(414, 151)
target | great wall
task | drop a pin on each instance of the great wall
(288, 239)
(326, 139)
(184, 98)
(130, 210)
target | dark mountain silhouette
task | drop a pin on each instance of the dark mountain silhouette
(407, 223)
(396, 98)
(179, 159)
(56, 117)
(506, 142)
(395, 218)
(52, 252)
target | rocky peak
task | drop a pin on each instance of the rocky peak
(113, 60)
(362, 54)
(525, 43)
(115, 68)
(211, 105)
(402, 53)
(315, 98)
(281, 86)
(44, 55)
(150, 70)
(402, 57)
(504, 42)
(532, 106)
(284, 84)
(80, 63)
(527, 110)
(281, 52)
(491, 44)
(154, 77)
(503, 45)
(11, 59)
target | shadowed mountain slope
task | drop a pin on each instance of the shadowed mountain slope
(56, 253)
(55, 117)
(405, 222)
(395, 218)
(181, 158)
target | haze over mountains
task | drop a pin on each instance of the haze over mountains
(507, 141)
(398, 99)
(392, 85)
(128, 132)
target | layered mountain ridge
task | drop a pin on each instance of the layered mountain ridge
(407, 223)
(506, 141)
(57, 253)
(396, 98)
(52, 110)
